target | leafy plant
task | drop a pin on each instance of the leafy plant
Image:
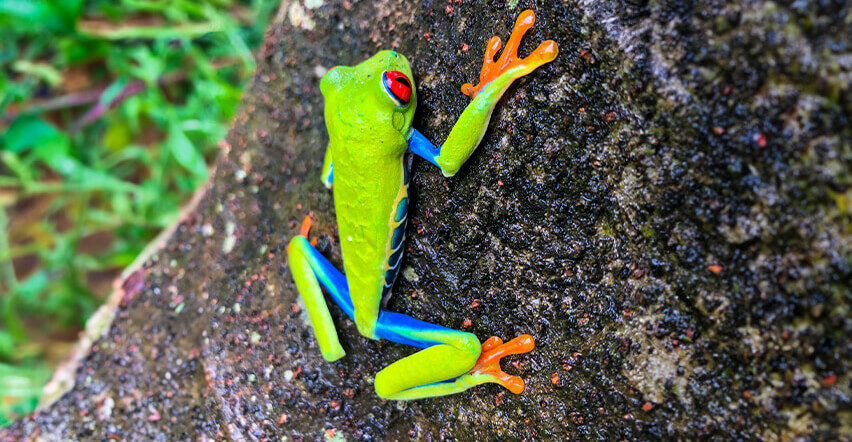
(109, 111)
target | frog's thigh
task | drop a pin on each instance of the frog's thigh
(451, 355)
(309, 269)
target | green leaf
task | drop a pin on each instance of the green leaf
(68, 10)
(29, 290)
(14, 163)
(11, 321)
(77, 50)
(145, 64)
(35, 15)
(25, 132)
(7, 343)
(186, 154)
(55, 152)
(26, 9)
(43, 71)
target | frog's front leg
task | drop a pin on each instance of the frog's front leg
(495, 78)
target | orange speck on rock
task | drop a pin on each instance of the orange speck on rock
(475, 303)
(715, 268)
(283, 419)
(465, 47)
(760, 139)
(647, 406)
(555, 380)
(427, 36)
(829, 380)
(748, 394)
(500, 398)
(449, 9)
(329, 434)
(467, 323)
(588, 56)
(718, 130)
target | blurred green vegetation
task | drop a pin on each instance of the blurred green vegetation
(109, 111)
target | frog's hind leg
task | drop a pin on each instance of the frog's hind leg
(310, 269)
(450, 362)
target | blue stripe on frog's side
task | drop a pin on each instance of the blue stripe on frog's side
(400, 219)
(405, 180)
(328, 179)
(395, 258)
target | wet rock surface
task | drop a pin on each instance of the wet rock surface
(665, 208)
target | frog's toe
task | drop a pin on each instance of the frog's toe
(490, 343)
(509, 62)
(305, 230)
(487, 367)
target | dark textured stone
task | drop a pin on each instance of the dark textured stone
(665, 208)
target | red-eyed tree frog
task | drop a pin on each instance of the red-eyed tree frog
(368, 112)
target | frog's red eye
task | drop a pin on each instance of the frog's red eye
(398, 87)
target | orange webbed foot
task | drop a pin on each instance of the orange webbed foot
(509, 61)
(493, 350)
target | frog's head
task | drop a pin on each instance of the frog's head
(374, 99)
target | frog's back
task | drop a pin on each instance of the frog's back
(371, 201)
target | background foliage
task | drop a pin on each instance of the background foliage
(109, 110)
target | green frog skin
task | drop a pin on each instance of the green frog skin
(368, 112)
